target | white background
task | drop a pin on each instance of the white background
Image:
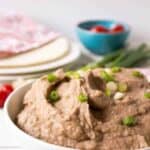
(65, 14)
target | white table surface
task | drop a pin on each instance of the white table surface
(6, 140)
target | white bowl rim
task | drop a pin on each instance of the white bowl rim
(21, 132)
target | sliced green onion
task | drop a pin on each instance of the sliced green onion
(112, 86)
(108, 92)
(115, 69)
(107, 77)
(82, 97)
(122, 87)
(129, 121)
(51, 77)
(137, 74)
(147, 95)
(89, 66)
(73, 74)
(86, 68)
(54, 96)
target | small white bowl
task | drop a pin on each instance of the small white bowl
(12, 107)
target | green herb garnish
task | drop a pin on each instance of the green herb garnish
(147, 95)
(137, 74)
(54, 96)
(129, 121)
(115, 69)
(107, 77)
(122, 87)
(51, 77)
(108, 92)
(82, 97)
(73, 74)
(85, 68)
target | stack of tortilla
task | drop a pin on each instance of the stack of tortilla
(29, 49)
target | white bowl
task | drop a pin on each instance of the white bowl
(12, 107)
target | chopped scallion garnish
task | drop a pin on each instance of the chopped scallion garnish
(73, 74)
(137, 74)
(108, 92)
(129, 121)
(115, 69)
(51, 77)
(82, 97)
(54, 96)
(107, 77)
(122, 87)
(147, 95)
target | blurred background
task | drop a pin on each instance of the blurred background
(65, 14)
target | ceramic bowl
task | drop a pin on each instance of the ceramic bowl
(102, 43)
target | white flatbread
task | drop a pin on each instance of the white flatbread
(50, 52)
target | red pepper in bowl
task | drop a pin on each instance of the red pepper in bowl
(117, 28)
(99, 29)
